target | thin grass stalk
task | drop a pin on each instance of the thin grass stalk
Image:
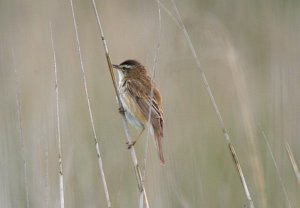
(100, 163)
(276, 167)
(169, 13)
(155, 63)
(248, 121)
(61, 176)
(293, 162)
(215, 107)
(47, 173)
(138, 174)
(20, 128)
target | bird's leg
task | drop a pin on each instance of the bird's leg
(134, 141)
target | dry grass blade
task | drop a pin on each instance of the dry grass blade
(125, 124)
(215, 107)
(155, 63)
(169, 13)
(293, 162)
(61, 176)
(100, 163)
(20, 125)
(276, 167)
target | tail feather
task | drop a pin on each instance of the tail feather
(157, 127)
(158, 138)
(160, 151)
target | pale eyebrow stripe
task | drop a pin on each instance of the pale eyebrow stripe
(126, 66)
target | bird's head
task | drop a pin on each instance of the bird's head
(130, 67)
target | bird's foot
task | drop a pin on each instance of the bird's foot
(130, 144)
(121, 110)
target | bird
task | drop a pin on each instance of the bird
(141, 101)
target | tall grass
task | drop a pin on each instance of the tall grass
(249, 53)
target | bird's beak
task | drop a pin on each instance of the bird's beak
(116, 66)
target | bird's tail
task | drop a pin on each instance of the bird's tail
(160, 152)
(157, 131)
(158, 138)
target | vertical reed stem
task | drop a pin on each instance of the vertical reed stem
(293, 162)
(137, 170)
(61, 176)
(100, 164)
(215, 107)
(20, 124)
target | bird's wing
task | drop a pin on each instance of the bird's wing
(140, 93)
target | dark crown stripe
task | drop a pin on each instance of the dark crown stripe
(130, 62)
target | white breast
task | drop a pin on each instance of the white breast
(125, 103)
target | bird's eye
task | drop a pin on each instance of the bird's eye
(126, 67)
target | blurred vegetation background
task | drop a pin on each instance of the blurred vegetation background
(249, 51)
